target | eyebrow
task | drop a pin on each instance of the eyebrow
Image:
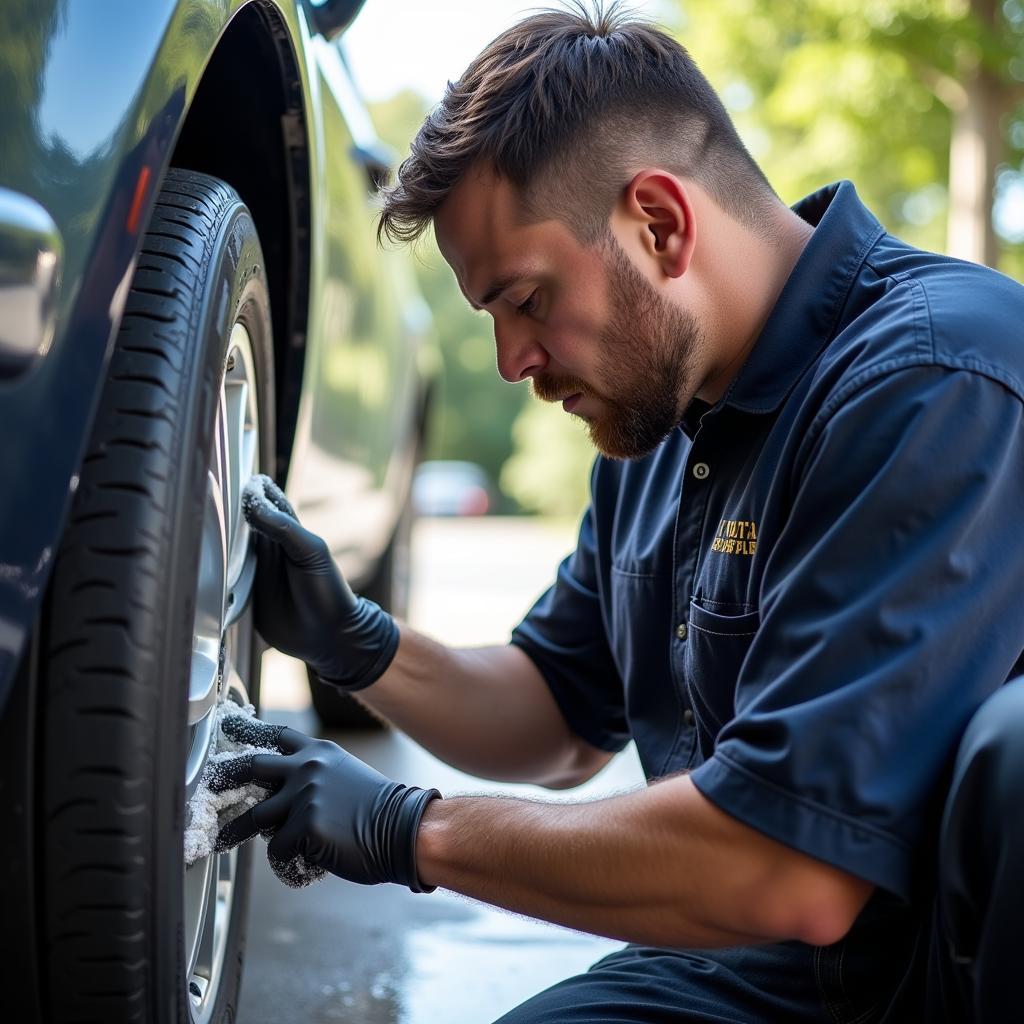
(497, 287)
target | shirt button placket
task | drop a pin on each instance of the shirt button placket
(701, 471)
(690, 514)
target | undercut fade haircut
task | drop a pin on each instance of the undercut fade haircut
(567, 105)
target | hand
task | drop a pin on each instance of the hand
(303, 606)
(329, 807)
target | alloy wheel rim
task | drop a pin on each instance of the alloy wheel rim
(226, 567)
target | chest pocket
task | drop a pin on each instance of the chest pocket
(715, 648)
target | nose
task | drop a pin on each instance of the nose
(520, 355)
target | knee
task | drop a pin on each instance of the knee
(990, 759)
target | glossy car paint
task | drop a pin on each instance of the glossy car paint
(96, 100)
(96, 105)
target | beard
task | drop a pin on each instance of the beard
(645, 365)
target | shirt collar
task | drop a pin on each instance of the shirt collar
(807, 312)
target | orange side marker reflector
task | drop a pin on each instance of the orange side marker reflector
(140, 194)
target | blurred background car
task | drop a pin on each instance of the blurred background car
(192, 292)
(451, 488)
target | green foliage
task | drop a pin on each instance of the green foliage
(475, 409)
(473, 419)
(823, 89)
(26, 29)
(548, 472)
(820, 90)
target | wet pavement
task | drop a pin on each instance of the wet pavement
(342, 952)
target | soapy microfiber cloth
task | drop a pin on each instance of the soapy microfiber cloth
(261, 490)
(213, 805)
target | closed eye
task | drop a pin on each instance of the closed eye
(528, 306)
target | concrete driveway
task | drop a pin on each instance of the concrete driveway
(342, 952)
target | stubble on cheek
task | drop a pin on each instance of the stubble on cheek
(643, 365)
(646, 364)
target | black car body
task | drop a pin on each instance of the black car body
(99, 102)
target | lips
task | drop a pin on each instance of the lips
(568, 404)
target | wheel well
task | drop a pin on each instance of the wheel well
(247, 126)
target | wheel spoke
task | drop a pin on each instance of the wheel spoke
(222, 462)
(199, 748)
(216, 544)
(240, 459)
(210, 604)
(197, 905)
(202, 963)
(227, 567)
(202, 685)
(243, 455)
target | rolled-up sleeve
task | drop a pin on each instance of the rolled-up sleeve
(892, 605)
(564, 635)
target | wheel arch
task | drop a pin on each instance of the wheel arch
(249, 128)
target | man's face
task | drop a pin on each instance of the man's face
(582, 323)
(644, 367)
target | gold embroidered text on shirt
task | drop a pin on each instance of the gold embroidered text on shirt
(736, 537)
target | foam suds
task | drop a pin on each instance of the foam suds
(261, 490)
(212, 805)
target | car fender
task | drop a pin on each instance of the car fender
(95, 166)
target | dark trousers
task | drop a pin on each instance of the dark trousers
(964, 963)
(977, 935)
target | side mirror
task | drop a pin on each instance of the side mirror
(331, 17)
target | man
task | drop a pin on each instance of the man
(798, 579)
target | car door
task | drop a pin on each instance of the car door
(362, 387)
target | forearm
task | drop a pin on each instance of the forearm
(661, 866)
(486, 711)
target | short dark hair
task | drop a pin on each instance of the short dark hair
(560, 105)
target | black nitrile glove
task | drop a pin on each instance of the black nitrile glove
(302, 604)
(328, 806)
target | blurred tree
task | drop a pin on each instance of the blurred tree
(26, 31)
(548, 472)
(918, 101)
(474, 412)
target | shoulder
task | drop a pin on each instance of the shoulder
(976, 320)
(912, 310)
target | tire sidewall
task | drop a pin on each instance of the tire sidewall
(233, 289)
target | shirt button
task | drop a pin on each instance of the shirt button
(701, 471)
(688, 717)
(681, 631)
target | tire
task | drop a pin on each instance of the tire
(130, 650)
(388, 587)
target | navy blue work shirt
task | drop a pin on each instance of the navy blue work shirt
(805, 591)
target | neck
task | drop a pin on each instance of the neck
(744, 278)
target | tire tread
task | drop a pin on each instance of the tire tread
(98, 686)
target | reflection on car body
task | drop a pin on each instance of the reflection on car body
(192, 291)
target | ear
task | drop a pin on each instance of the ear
(657, 203)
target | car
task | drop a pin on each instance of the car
(446, 487)
(191, 292)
